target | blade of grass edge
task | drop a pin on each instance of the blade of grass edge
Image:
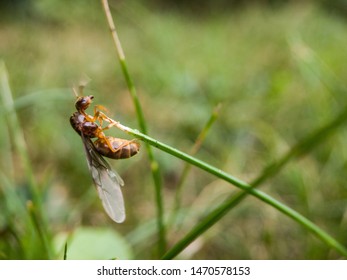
(187, 167)
(221, 210)
(36, 218)
(299, 149)
(142, 124)
(65, 252)
(21, 147)
(15, 129)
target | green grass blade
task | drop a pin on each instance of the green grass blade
(40, 228)
(219, 212)
(14, 126)
(299, 149)
(21, 148)
(187, 166)
(142, 124)
(65, 252)
(224, 208)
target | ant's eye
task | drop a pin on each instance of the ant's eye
(87, 100)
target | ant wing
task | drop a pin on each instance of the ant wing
(107, 182)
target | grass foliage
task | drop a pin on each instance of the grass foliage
(278, 74)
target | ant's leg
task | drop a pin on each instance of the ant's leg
(98, 115)
(112, 123)
(125, 143)
(101, 135)
(89, 118)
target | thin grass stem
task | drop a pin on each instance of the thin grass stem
(302, 147)
(16, 131)
(142, 124)
(220, 211)
(40, 228)
(35, 206)
(65, 252)
(187, 167)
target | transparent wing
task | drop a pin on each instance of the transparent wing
(107, 182)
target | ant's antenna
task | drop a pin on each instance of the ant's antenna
(82, 84)
(75, 92)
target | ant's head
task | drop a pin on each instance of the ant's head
(83, 102)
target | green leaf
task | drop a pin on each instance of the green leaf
(93, 244)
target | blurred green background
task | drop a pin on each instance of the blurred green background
(277, 67)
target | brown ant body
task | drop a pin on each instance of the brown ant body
(106, 180)
(111, 147)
